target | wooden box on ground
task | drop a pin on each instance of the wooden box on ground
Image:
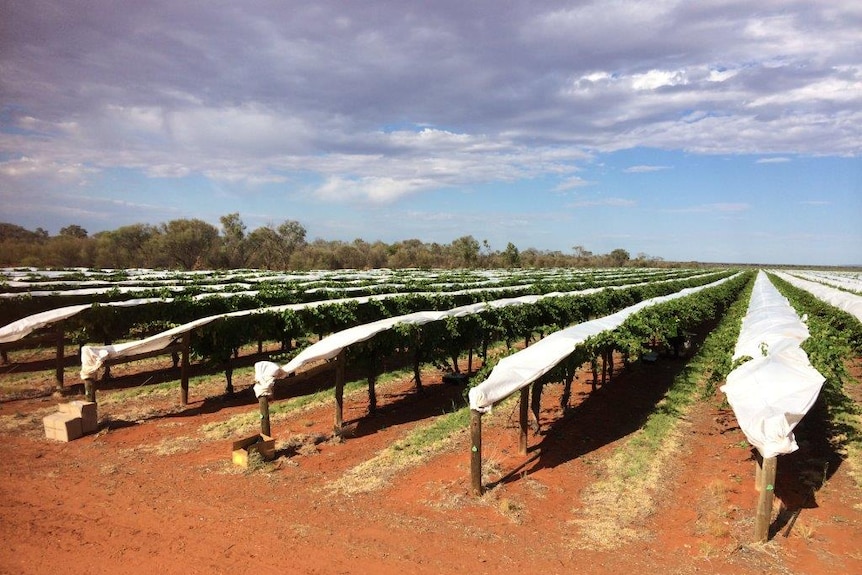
(62, 426)
(263, 444)
(87, 411)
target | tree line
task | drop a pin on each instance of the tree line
(187, 244)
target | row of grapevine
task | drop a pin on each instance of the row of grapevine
(626, 329)
(557, 356)
(273, 291)
(331, 346)
(218, 340)
(849, 281)
(774, 386)
(845, 301)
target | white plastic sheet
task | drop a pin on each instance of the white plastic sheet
(522, 368)
(25, 326)
(331, 346)
(265, 374)
(94, 357)
(851, 303)
(772, 392)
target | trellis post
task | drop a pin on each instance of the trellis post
(90, 390)
(524, 417)
(263, 401)
(61, 345)
(340, 360)
(476, 451)
(765, 499)
(184, 369)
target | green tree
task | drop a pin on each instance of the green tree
(618, 257)
(466, 251)
(127, 247)
(189, 243)
(74, 231)
(512, 256)
(233, 244)
(272, 249)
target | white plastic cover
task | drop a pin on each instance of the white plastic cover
(94, 357)
(265, 374)
(522, 368)
(331, 346)
(851, 303)
(25, 326)
(772, 392)
(769, 321)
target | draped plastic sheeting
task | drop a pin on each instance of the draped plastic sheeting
(845, 280)
(521, 369)
(25, 326)
(851, 303)
(267, 372)
(93, 357)
(772, 392)
(769, 322)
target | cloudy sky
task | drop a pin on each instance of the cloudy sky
(690, 130)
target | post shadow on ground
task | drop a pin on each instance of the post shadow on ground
(615, 410)
(801, 474)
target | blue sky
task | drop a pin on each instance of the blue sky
(718, 131)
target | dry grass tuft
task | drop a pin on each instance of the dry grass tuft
(423, 443)
(306, 444)
(712, 511)
(511, 509)
(612, 506)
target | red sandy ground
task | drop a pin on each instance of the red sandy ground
(109, 503)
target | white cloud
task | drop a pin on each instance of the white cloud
(572, 183)
(719, 207)
(654, 79)
(384, 105)
(26, 167)
(645, 169)
(375, 189)
(613, 202)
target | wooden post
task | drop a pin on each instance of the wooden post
(339, 391)
(372, 393)
(476, 452)
(90, 390)
(58, 376)
(263, 400)
(417, 361)
(758, 470)
(536, 402)
(525, 397)
(184, 369)
(764, 501)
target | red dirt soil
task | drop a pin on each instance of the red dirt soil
(119, 501)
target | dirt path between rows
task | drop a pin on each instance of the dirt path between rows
(151, 493)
